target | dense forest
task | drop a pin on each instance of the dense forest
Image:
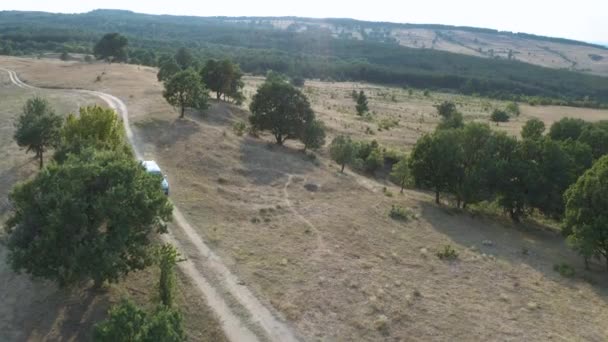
(315, 53)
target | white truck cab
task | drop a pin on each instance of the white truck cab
(153, 168)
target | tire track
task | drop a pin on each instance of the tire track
(234, 327)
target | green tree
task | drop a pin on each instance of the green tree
(112, 47)
(586, 211)
(185, 90)
(168, 257)
(95, 127)
(471, 184)
(38, 128)
(314, 135)
(401, 172)
(597, 138)
(434, 161)
(184, 58)
(361, 103)
(92, 217)
(499, 116)
(281, 109)
(168, 68)
(223, 78)
(342, 151)
(567, 128)
(533, 129)
(450, 116)
(127, 322)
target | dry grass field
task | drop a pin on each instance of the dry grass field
(320, 247)
(35, 310)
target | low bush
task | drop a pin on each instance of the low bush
(448, 253)
(399, 213)
(499, 116)
(565, 270)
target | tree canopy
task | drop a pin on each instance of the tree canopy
(38, 127)
(342, 150)
(186, 90)
(224, 78)
(282, 109)
(362, 107)
(91, 217)
(112, 47)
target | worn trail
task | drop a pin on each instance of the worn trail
(223, 282)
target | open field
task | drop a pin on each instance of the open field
(319, 245)
(34, 310)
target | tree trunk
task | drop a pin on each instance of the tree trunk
(514, 213)
(586, 259)
(464, 205)
(402, 186)
(458, 201)
(39, 155)
(98, 283)
(279, 138)
(182, 114)
(218, 95)
(342, 169)
(437, 196)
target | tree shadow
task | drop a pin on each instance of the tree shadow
(536, 246)
(9, 177)
(165, 133)
(220, 113)
(264, 162)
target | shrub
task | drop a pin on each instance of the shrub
(298, 81)
(88, 58)
(513, 108)
(499, 116)
(387, 124)
(374, 161)
(398, 213)
(564, 269)
(448, 253)
(239, 128)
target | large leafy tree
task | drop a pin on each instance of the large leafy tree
(224, 78)
(596, 136)
(586, 217)
(38, 127)
(112, 47)
(401, 172)
(435, 161)
(91, 217)
(185, 90)
(95, 127)
(281, 109)
(567, 128)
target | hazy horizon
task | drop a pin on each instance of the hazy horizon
(584, 22)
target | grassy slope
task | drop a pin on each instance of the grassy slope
(331, 260)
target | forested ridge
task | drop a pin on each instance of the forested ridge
(315, 53)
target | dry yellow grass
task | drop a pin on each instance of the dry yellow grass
(331, 260)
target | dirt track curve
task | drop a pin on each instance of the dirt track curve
(226, 283)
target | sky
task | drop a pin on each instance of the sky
(585, 20)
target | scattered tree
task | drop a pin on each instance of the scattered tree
(499, 116)
(38, 127)
(185, 90)
(313, 136)
(223, 78)
(362, 103)
(281, 109)
(91, 217)
(342, 151)
(513, 108)
(586, 208)
(450, 116)
(533, 129)
(401, 172)
(112, 47)
(168, 257)
(567, 128)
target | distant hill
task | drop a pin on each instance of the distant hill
(460, 59)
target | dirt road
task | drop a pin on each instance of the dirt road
(255, 321)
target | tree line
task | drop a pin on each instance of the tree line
(542, 172)
(315, 54)
(91, 215)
